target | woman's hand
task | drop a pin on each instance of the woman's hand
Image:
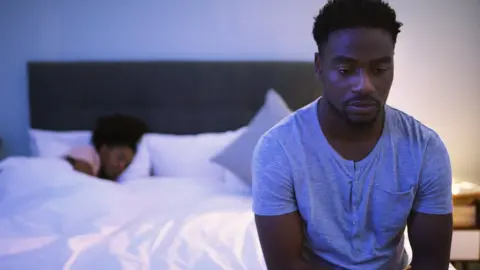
(84, 167)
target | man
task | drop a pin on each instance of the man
(115, 138)
(336, 183)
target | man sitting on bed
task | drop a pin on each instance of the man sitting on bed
(114, 139)
(336, 183)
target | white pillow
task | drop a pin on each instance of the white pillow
(237, 157)
(140, 166)
(46, 143)
(235, 185)
(188, 155)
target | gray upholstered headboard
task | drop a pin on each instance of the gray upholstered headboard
(172, 97)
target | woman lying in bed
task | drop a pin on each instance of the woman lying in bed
(114, 141)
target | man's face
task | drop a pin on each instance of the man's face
(115, 159)
(356, 69)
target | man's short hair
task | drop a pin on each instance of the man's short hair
(345, 14)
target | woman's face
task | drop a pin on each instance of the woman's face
(115, 159)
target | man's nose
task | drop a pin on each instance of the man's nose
(364, 83)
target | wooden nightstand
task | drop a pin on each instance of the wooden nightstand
(466, 211)
(465, 245)
(465, 251)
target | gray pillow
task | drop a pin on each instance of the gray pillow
(237, 156)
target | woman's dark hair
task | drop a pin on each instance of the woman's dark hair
(118, 130)
(344, 14)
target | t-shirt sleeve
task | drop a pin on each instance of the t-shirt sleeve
(434, 195)
(272, 182)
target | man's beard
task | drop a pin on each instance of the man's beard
(356, 124)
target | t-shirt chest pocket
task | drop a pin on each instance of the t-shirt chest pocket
(391, 207)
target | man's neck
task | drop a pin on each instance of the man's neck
(335, 126)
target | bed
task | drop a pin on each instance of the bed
(194, 213)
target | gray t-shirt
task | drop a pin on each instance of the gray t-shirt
(355, 213)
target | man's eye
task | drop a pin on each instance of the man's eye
(345, 70)
(379, 70)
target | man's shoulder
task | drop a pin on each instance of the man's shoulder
(287, 129)
(404, 126)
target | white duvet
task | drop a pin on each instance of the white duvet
(52, 217)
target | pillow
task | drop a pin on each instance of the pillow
(188, 156)
(237, 157)
(51, 148)
(140, 166)
(234, 185)
(47, 143)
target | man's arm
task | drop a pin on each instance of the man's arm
(430, 224)
(281, 238)
(430, 237)
(279, 225)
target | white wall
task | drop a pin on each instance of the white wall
(437, 67)
(437, 76)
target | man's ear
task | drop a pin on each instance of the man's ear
(318, 65)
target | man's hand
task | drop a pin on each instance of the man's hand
(84, 167)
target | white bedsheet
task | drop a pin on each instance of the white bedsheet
(54, 218)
